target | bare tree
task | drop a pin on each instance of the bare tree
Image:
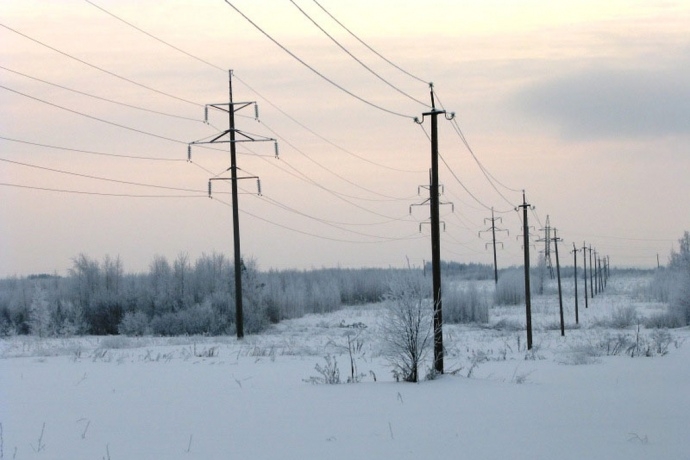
(406, 327)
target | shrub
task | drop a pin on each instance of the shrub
(468, 305)
(134, 324)
(328, 374)
(510, 289)
(406, 327)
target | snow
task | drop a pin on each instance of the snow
(219, 398)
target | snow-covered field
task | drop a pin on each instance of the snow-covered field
(581, 396)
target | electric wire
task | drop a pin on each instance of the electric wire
(268, 101)
(154, 37)
(94, 118)
(308, 157)
(113, 74)
(314, 235)
(92, 152)
(314, 70)
(81, 192)
(340, 45)
(367, 46)
(325, 221)
(336, 225)
(328, 141)
(102, 98)
(88, 176)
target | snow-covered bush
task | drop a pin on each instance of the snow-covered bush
(672, 285)
(465, 304)
(510, 289)
(134, 323)
(406, 331)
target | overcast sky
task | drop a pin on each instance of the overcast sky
(583, 104)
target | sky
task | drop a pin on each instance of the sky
(585, 106)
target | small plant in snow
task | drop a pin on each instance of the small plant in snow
(406, 327)
(328, 374)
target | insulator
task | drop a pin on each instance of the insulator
(189, 152)
(276, 149)
(205, 114)
(209, 189)
(258, 184)
(256, 111)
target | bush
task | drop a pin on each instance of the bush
(468, 305)
(134, 324)
(510, 289)
(406, 330)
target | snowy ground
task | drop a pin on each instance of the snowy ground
(217, 398)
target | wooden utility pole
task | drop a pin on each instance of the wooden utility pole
(584, 264)
(577, 313)
(591, 275)
(436, 232)
(558, 273)
(528, 295)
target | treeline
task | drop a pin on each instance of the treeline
(178, 297)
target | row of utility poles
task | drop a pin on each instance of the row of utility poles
(598, 271)
(598, 267)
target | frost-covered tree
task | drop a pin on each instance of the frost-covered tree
(680, 269)
(406, 329)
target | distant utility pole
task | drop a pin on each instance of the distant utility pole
(436, 231)
(558, 272)
(591, 275)
(528, 295)
(230, 136)
(577, 313)
(584, 264)
(597, 267)
(493, 230)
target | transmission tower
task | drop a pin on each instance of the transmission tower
(493, 231)
(232, 136)
(547, 246)
(436, 230)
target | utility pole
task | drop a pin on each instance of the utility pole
(591, 276)
(558, 272)
(230, 136)
(528, 295)
(584, 264)
(436, 231)
(577, 313)
(597, 267)
(493, 237)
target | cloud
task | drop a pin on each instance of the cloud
(607, 102)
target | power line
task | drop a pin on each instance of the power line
(81, 192)
(100, 68)
(301, 61)
(339, 240)
(356, 58)
(308, 157)
(101, 98)
(92, 152)
(369, 47)
(154, 37)
(291, 118)
(92, 117)
(88, 176)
